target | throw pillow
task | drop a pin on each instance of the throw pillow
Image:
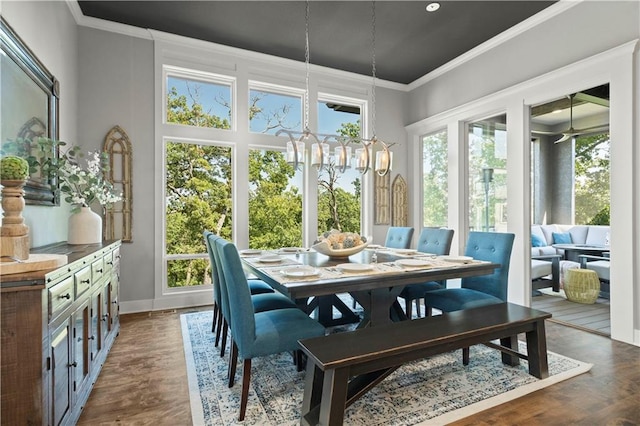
(537, 241)
(561, 238)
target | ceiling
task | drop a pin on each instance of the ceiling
(410, 42)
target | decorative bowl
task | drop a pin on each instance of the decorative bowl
(324, 248)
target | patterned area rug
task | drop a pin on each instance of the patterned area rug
(434, 391)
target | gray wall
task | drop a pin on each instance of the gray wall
(116, 86)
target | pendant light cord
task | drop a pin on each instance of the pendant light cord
(373, 68)
(306, 61)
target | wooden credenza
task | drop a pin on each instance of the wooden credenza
(57, 328)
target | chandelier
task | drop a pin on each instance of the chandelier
(320, 144)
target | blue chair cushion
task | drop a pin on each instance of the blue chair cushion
(259, 287)
(456, 299)
(416, 291)
(279, 331)
(270, 301)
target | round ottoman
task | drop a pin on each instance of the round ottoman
(582, 286)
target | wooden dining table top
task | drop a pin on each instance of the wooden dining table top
(384, 273)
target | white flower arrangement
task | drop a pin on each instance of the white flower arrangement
(341, 240)
(86, 186)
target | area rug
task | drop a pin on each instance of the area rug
(434, 391)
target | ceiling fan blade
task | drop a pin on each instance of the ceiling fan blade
(565, 137)
(543, 132)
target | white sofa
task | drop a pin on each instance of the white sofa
(595, 235)
(547, 265)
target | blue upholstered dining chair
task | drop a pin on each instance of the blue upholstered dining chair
(481, 290)
(261, 301)
(257, 334)
(434, 241)
(399, 237)
(256, 287)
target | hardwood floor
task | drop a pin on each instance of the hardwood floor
(144, 382)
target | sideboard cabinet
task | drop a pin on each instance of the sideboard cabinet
(57, 328)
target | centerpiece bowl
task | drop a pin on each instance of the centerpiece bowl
(339, 245)
(324, 248)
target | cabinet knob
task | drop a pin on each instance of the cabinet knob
(99, 270)
(110, 263)
(115, 302)
(105, 317)
(92, 337)
(74, 364)
(87, 281)
(65, 296)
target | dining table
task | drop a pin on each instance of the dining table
(373, 277)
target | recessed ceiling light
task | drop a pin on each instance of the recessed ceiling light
(432, 7)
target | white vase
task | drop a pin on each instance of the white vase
(85, 227)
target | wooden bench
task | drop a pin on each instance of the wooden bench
(342, 367)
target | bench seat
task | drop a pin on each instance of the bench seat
(341, 367)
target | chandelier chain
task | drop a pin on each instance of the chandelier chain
(373, 67)
(306, 61)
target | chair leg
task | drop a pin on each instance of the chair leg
(215, 317)
(233, 362)
(300, 360)
(418, 308)
(219, 329)
(246, 379)
(225, 328)
(407, 307)
(427, 309)
(465, 356)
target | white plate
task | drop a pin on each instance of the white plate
(249, 252)
(270, 259)
(457, 259)
(404, 251)
(300, 271)
(374, 246)
(414, 263)
(291, 249)
(354, 267)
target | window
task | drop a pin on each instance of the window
(434, 180)
(488, 175)
(199, 100)
(275, 201)
(197, 197)
(592, 180)
(339, 193)
(270, 111)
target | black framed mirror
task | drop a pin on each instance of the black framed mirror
(30, 98)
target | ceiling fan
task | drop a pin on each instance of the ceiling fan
(571, 132)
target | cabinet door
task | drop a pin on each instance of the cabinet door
(105, 317)
(80, 321)
(60, 373)
(94, 337)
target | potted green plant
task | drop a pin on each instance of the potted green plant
(13, 168)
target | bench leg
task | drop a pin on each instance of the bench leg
(334, 397)
(312, 394)
(510, 342)
(465, 356)
(537, 351)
